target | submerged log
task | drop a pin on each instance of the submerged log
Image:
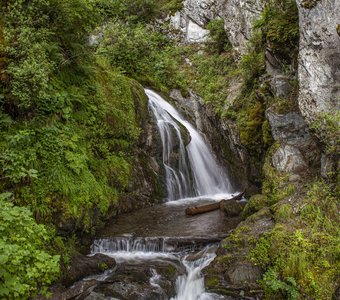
(195, 210)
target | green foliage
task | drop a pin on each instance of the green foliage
(254, 204)
(326, 127)
(143, 54)
(280, 28)
(137, 11)
(26, 268)
(218, 37)
(301, 256)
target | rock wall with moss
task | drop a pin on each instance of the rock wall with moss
(255, 73)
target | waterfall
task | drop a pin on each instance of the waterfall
(190, 168)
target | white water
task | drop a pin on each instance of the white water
(136, 250)
(191, 170)
(192, 175)
(191, 285)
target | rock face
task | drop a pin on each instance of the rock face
(298, 152)
(319, 57)
(238, 16)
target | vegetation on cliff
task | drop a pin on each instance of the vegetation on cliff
(71, 110)
(69, 122)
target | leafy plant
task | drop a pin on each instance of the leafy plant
(26, 268)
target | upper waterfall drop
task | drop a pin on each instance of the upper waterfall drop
(191, 170)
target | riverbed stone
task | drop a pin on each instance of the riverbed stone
(83, 266)
(132, 281)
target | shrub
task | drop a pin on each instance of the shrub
(26, 268)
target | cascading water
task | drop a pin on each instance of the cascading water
(191, 170)
(162, 235)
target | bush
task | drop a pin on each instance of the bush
(26, 268)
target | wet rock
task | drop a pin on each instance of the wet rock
(225, 141)
(232, 208)
(97, 296)
(83, 266)
(79, 289)
(134, 281)
(319, 58)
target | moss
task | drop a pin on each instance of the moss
(283, 212)
(212, 282)
(254, 204)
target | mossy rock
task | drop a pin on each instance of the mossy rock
(254, 204)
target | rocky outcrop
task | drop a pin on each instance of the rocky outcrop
(298, 152)
(238, 19)
(239, 16)
(232, 273)
(145, 187)
(319, 57)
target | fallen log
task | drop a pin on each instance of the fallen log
(195, 210)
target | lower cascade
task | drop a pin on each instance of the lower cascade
(160, 252)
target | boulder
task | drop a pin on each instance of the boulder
(151, 280)
(243, 272)
(289, 159)
(232, 208)
(299, 151)
(83, 266)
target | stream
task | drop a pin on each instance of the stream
(161, 252)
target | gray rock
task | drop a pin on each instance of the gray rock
(289, 127)
(319, 58)
(299, 150)
(281, 85)
(83, 266)
(244, 273)
(81, 288)
(225, 141)
(97, 296)
(273, 65)
(289, 159)
(239, 16)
